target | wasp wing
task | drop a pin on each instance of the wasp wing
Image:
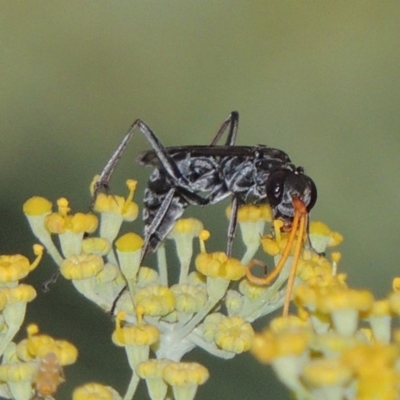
(257, 152)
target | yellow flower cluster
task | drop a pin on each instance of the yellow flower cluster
(211, 305)
(34, 365)
(328, 352)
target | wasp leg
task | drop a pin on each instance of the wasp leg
(166, 160)
(233, 122)
(232, 226)
(157, 221)
(150, 231)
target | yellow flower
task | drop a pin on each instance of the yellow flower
(251, 213)
(16, 267)
(130, 242)
(211, 324)
(136, 339)
(82, 267)
(95, 391)
(251, 290)
(156, 300)
(313, 266)
(189, 298)
(151, 369)
(183, 233)
(37, 205)
(329, 375)
(143, 335)
(152, 372)
(146, 276)
(382, 384)
(117, 204)
(251, 219)
(234, 302)
(185, 378)
(286, 336)
(38, 346)
(96, 245)
(332, 344)
(218, 265)
(369, 358)
(374, 366)
(18, 371)
(186, 226)
(234, 334)
(185, 373)
(344, 306)
(322, 237)
(380, 316)
(129, 249)
(61, 221)
(21, 293)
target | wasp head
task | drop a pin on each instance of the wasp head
(285, 184)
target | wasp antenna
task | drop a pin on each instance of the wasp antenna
(298, 225)
(301, 211)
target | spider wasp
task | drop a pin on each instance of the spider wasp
(204, 175)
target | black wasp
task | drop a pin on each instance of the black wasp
(204, 175)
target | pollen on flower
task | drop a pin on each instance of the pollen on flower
(144, 335)
(17, 372)
(151, 368)
(187, 226)
(82, 267)
(396, 284)
(156, 300)
(129, 242)
(189, 298)
(234, 334)
(21, 293)
(204, 235)
(270, 245)
(251, 213)
(370, 358)
(92, 391)
(37, 206)
(394, 301)
(146, 276)
(335, 299)
(96, 245)
(39, 345)
(210, 325)
(185, 373)
(234, 302)
(218, 265)
(313, 266)
(14, 267)
(105, 203)
(332, 344)
(251, 290)
(81, 222)
(287, 336)
(327, 372)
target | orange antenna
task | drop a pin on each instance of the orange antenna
(299, 226)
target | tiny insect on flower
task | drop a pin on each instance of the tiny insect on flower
(49, 375)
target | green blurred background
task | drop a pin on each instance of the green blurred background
(318, 79)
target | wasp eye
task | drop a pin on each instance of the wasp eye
(275, 185)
